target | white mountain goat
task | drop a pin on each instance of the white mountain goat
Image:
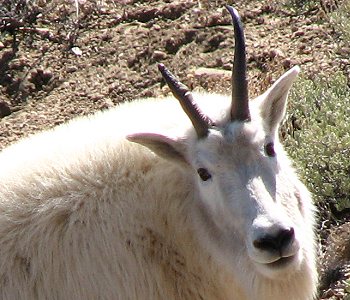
(145, 201)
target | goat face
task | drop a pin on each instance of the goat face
(249, 197)
(251, 204)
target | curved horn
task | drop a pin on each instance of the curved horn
(201, 123)
(240, 100)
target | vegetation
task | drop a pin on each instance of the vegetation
(340, 18)
(318, 134)
(319, 138)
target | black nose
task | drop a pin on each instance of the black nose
(275, 242)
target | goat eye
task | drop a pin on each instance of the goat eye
(204, 174)
(270, 149)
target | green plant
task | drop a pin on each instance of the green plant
(317, 137)
(297, 6)
(347, 288)
(340, 19)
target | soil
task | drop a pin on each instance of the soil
(60, 59)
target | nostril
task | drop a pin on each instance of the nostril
(275, 242)
(286, 237)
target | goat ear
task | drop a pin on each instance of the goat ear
(273, 105)
(163, 146)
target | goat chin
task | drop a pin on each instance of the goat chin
(280, 268)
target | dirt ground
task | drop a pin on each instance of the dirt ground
(60, 59)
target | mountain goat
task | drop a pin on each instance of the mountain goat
(151, 201)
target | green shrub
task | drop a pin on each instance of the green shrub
(317, 136)
(297, 6)
(347, 289)
(340, 19)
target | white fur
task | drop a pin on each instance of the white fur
(87, 214)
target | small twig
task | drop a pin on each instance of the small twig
(12, 25)
(43, 32)
(72, 35)
(77, 8)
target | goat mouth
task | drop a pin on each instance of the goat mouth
(281, 262)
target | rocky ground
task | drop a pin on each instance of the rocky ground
(60, 59)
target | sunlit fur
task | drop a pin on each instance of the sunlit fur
(86, 213)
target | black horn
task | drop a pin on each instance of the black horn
(240, 99)
(201, 123)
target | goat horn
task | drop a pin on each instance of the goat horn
(240, 100)
(201, 123)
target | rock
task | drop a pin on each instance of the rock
(77, 51)
(72, 69)
(298, 33)
(275, 53)
(159, 55)
(5, 109)
(208, 72)
(287, 63)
